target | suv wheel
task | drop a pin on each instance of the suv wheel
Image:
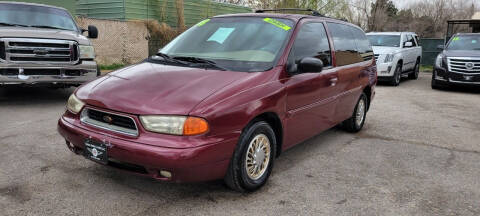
(252, 161)
(355, 123)
(416, 71)
(397, 76)
(435, 84)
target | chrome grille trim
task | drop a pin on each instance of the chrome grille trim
(41, 51)
(84, 118)
(458, 65)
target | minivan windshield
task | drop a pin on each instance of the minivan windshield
(235, 43)
(464, 42)
(22, 15)
(384, 40)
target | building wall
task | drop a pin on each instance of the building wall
(68, 4)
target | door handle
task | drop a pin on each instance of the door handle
(333, 81)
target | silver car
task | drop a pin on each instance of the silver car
(41, 44)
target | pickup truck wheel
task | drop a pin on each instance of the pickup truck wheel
(252, 161)
(397, 75)
(99, 72)
(416, 71)
(355, 123)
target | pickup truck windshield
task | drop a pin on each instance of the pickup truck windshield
(21, 15)
(384, 40)
(236, 43)
(465, 42)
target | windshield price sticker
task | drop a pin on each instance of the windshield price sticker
(277, 23)
(456, 38)
(203, 22)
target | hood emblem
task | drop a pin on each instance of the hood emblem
(108, 119)
(469, 65)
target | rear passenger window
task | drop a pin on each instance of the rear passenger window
(312, 41)
(344, 43)
(363, 44)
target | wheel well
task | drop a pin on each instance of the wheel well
(368, 91)
(274, 121)
(419, 58)
(400, 62)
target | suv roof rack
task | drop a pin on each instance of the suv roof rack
(314, 12)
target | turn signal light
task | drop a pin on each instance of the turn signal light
(195, 126)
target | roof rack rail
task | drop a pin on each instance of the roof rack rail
(314, 12)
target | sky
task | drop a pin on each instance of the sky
(404, 3)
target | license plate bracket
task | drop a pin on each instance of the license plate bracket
(96, 151)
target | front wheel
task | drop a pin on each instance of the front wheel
(416, 71)
(252, 161)
(355, 123)
(397, 76)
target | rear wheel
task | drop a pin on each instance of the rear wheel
(397, 75)
(252, 161)
(99, 72)
(355, 123)
(416, 71)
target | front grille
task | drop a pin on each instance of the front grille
(464, 65)
(19, 50)
(376, 56)
(109, 121)
(8, 72)
(49, 72)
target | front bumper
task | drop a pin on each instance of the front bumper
(69, 74)
(385, 70)
(203, 163)
(444, 76)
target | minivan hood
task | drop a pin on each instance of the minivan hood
(28, 32)
(385, 50)
(462, 53)
(149, 88)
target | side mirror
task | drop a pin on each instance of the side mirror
(92, 31)
(441, 47)
(408, 44)
(310, 65)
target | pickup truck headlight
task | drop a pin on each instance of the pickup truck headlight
(389, 58)
(87, 52)
(74, 104)
(439, 61)
(176, 125)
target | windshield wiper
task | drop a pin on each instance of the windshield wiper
(166, 58)
(12, 24)
(49, 27)
(197, 60)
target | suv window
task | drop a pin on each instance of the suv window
(404, 40)
(312, 41)
(363, 44)
(344, 43)
(410, 39)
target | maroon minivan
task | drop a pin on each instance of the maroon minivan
(225, 98)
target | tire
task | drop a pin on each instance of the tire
(397, 76)
(416, 71)
(99, 72)
(238, 177)
(355, 123)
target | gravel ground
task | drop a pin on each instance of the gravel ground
(418, 154)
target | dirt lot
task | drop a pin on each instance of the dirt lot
(418, 154)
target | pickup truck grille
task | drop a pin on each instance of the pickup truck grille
(376, 57)
(464, 65)
(27, 50)
(109, 121)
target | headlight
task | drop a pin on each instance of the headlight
(74, 104)
(176, 125)
(439, 61)
(389, 58)
(86, 52)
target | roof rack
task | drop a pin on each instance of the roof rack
(314, 12)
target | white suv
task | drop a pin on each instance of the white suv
(396, 53)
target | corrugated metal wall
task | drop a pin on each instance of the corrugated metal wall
(68, 4)
(430, 50)
(162, 10)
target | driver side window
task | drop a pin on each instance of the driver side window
(311, 41)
